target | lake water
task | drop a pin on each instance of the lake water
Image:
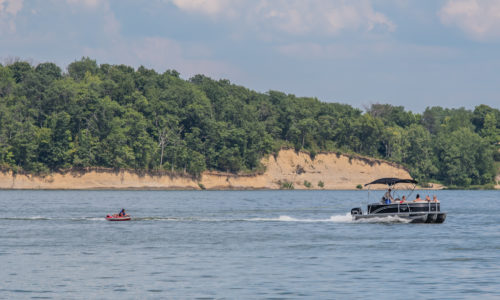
(242, 245)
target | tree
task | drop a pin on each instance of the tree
(418, 152)
(490, 132)
(394, 143)
(78, 69)
(392, 115)
(196, 164)
(6, 81)
(366, 132)
(20, 70)
(479, 115)
(50, 71)
(308, 128)
(464, 158)
(169, 134)
(86, 149)
(59, 152)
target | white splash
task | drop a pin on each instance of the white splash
(335, 219)
(36, 218)
(388, 219)
(347, 218)
(90, 219)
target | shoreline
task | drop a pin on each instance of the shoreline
(287, 169)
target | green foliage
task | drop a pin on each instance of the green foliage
(321, 184)
(417, 152)
(359, 187)
(78, 69)
(20, 70)
(464, 158)
(286, 185)
(307, 184)
(117, 117)
(196, 163)
(392, 115)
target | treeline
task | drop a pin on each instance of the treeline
(118, 117)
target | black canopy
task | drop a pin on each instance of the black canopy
(392, 181)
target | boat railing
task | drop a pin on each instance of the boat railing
(432, 207)
(405, 203)
(435, 206)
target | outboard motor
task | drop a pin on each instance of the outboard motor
(356, 211)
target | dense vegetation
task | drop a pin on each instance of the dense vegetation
(118, 117)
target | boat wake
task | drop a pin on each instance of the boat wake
(388, 219)
(346, 218)
(40, 218)
(158, 219)
(35, 218)
(335, 219)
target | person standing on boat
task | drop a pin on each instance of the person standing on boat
(388, 197)
(122, 213)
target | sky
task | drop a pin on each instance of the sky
(409, 53)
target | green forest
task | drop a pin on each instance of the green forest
(115, 116)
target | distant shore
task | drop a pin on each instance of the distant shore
(286, 170)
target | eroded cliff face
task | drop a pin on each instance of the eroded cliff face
(288, 167)
(298, 168)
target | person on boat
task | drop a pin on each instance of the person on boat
(418, 199)
(387, 199)
(435, 199)
(428, 198)
(403, 199)
(122, 213)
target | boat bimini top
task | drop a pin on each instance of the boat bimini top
(391, 181)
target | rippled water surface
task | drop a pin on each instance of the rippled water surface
(242, 244)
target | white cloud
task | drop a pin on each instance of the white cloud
(296, 17)
(8, 12)
(209, 7)
(322, 16)
(87, 3)
(480, 19)
(11, 7)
